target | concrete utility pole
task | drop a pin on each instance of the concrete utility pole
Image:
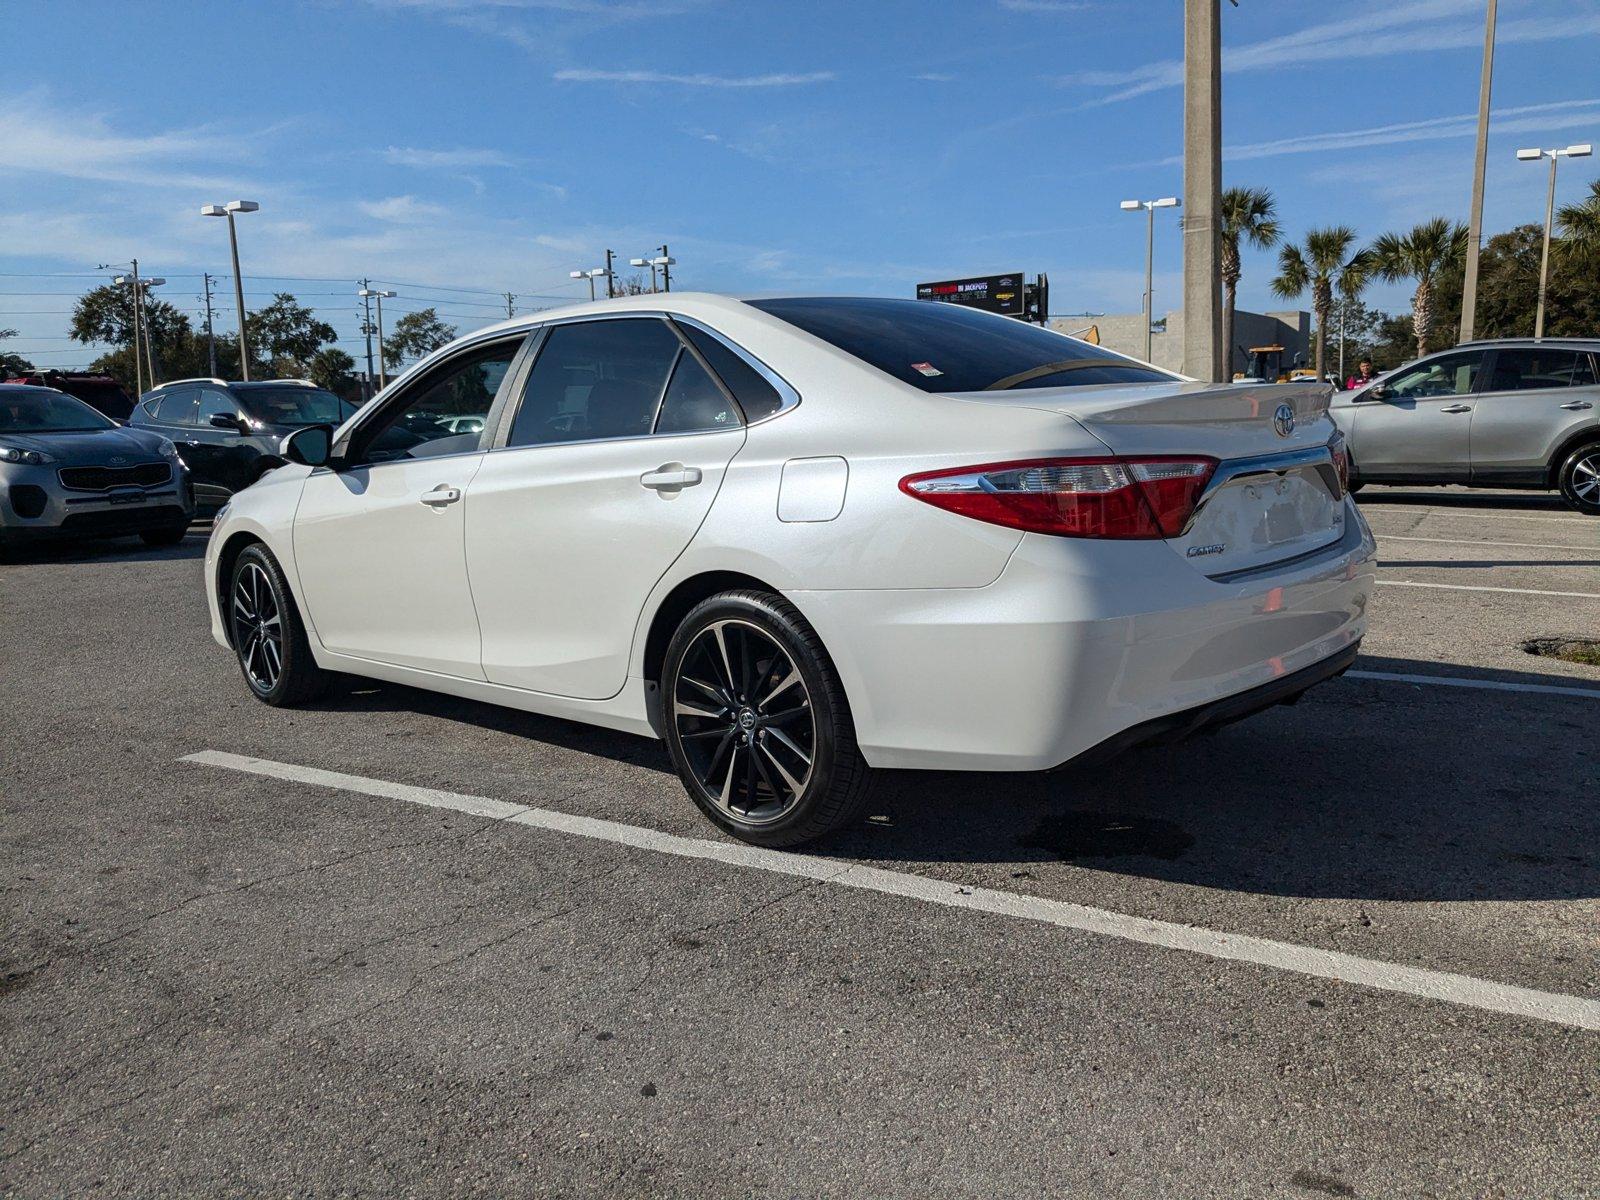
(511, 305)
(611, 278)
(666, 261)
(1202, 183)
(211, 337)
(1469, 287)
(366, 328)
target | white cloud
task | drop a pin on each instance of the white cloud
(1043, 6)
(699, 80)
(936, 77)
(403, 210)
(1377, 31)
(455, 158)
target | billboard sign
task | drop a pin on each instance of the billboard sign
(1004, 294)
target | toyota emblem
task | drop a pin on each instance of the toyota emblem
(1283, 420)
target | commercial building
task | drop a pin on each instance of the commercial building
(1124, 333)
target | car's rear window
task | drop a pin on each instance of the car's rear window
(944, 348)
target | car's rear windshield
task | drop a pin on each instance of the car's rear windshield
(292, 405)
(40, 410)
(945, 348)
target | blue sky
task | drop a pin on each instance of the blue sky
(843, 146)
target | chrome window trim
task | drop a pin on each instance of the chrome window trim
(788, 398)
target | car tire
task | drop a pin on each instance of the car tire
(171, 535)
(267, 635)
(1579, 479)
(757, 724)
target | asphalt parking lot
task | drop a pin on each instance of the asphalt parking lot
(1347, 948)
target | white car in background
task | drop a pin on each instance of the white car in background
(804, 540)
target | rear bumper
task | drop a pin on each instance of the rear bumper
(1080, 642)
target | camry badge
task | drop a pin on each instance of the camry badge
(1199, 551)
(1283, 420)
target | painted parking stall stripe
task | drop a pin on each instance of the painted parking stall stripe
(1575, 1011)
(1468, 587)
(1399, 537)
(1492, 685)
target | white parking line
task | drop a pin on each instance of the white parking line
(1396, 537)
(1492, 685)
(1469, 587)
(1559, 1009)
(1481, 515)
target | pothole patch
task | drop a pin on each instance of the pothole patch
(1583, 651)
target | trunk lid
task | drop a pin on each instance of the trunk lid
(1275, 494)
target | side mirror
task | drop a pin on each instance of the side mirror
(224, 421)
(1377, 391)
(310, 446)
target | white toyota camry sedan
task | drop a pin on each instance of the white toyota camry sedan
(804, 541)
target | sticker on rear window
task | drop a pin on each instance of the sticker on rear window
(927, 369)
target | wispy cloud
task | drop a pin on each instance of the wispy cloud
(1430, 25)
(577, 75)
(403, 210)
(454, 159)
(935, 77)
(1044, 6)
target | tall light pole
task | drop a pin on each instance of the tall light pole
(227, 210)
(1555, 156)
(646, 262)
(1202, 187)
(138, 363)
(666, 262)
(380, 296)
(211, 337)
(591, 275)
(1469, 283)
(1150, 207)
(149, 341)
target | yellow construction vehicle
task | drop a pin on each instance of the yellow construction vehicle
(1265, 365)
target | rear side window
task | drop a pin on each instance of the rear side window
(757, 397)
(693, 401)
(1536, 369)
(595, 380)
(943, 348)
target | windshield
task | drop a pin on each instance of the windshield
(945, 348)
(40, 410)
(295, 406)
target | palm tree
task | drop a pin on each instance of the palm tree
(1250, 215)
(1424, 254)
(1317, 266)
(1580, 226)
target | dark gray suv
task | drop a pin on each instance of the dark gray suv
(1505, 414)
(228, 433)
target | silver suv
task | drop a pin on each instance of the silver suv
(1515, 413)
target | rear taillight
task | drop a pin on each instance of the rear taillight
(1072, 497)
(1341, 462)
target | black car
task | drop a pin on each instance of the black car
(228, 433)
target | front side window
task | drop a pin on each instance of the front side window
(1540, 368)
(595, 380)
(38, 410)
(295, 406)
(1448, 375)
(427, 420)
(944, 348)
(214, 403)
(175, 408)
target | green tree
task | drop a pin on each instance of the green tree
(12, 363)
(1249, 215)
(1424, 254)
(333, 369)
(1580, 227)
(1317, 267)
(285, 337)
(105, 314)
(417, 334)
(1357, 331)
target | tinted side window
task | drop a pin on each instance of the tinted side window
(756, 396)
(213, 402)
(426, 419)
(176, 408)
(1529, 370)
(945, 348)
(694, 401)
(1448, 375)
(596, 379)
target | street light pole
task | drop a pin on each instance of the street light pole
(1533, 155)
(366, 328)
(228, 210)
(138, 331)
(1150, 207)
(211, 337)
(1202, 182)
(149, 341)
(383, 369)
(1469, 285)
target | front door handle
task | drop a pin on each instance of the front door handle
(441, 495)
(671, 478)
(1457, 408)
(1576, 405)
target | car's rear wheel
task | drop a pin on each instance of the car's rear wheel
(267, 633)
(1579, 479)
(757, 723)
(170, 535)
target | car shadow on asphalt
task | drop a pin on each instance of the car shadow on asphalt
(1366, 790)
(1439, 498)
(123, 549)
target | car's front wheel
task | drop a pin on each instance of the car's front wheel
(267, 633)
(757, 723)
(1579, 479)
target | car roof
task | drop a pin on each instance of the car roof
(1561, 342)
(12, 389)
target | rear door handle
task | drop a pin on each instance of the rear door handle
(441, 495)
(1576, 405)
(1457, 408)
(670, 477)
